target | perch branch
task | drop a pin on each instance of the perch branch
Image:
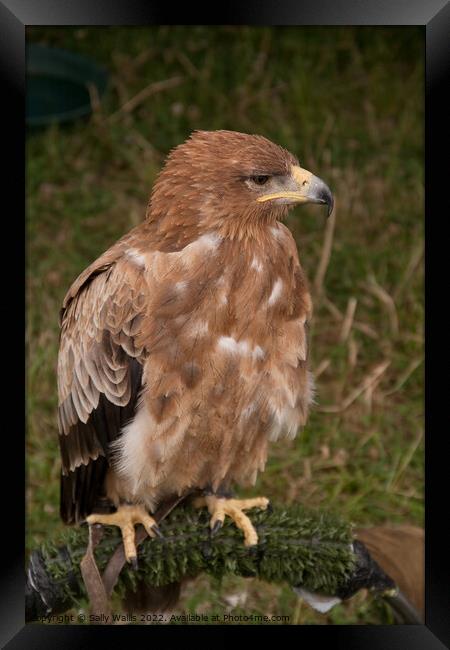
(315, 551)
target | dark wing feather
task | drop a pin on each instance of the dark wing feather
(82, 488)
(99, 375)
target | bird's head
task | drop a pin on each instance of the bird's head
(232, 182)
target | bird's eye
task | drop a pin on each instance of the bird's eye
(260, 180)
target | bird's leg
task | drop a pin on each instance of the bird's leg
(126, 517)
(219, 507)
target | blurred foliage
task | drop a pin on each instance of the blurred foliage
(349, 103)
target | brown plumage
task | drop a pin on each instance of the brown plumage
(184, 346)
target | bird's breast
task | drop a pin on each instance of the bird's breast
(225, 370)
(226, 328)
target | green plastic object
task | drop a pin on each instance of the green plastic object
(58, 85)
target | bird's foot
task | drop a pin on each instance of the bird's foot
(218, 507)
(126, 517)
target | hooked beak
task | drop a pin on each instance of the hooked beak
(303, 187)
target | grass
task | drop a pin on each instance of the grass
(349, 103)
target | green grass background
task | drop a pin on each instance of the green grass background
(349, 103)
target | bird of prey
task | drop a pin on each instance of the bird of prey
(183, 348)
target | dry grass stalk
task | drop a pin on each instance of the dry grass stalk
(326, 254)
(404, 463)
(370, 379)
(348, 319)
(307, 473)
(415, 260)
(146, 145)
(365, 329)
(357, 325)
(187, 64)
(121, 89)
(326, 132)
(94, 98)
(383, 296)
(145, 93)
(323, 365)
(334, 311)
(352, 352)
(368, 397)
(142, 57)
(415, 363)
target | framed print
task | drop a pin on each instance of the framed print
(178, 173)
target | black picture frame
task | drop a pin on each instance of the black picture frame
(434, 16)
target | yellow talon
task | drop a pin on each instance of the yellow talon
(219, 507)
(126, 517)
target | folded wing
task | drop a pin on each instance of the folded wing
(99, 374)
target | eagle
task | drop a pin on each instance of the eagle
(183, 348)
